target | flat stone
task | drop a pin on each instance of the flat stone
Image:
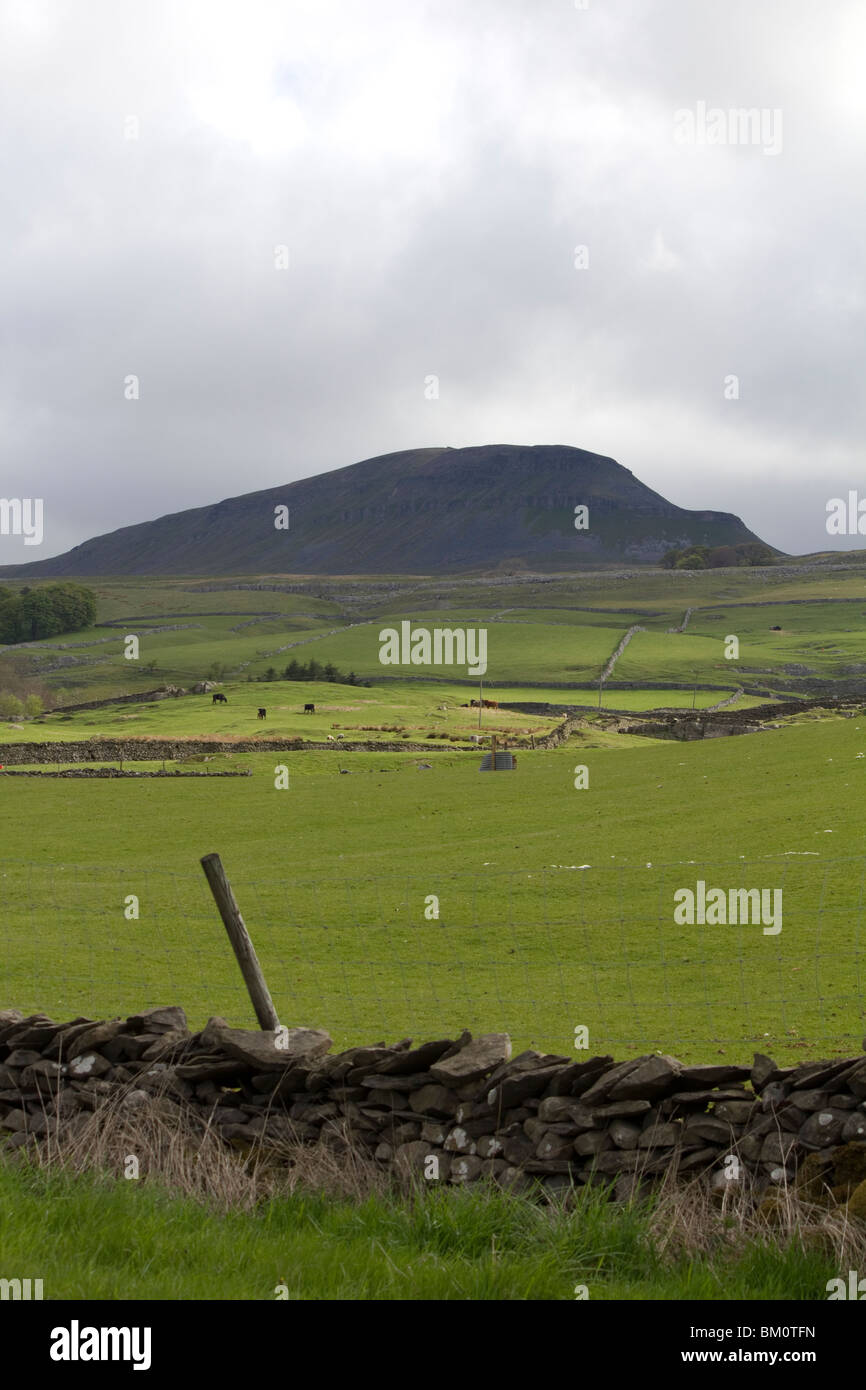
(592, 1143)
(158, 1020)
(854, 1128)
(517, 1150)
(735, 1112)
(22, 1057)
(650, 1079)
(624, 1133)
(663, 1136)
(391, 1100)
(554, 1146)
(703, 1077)
(259, 1048)
(473, 1061)
(213, 1068)
(37, 1034)
(513, 1090)
(466, 1168)
(93, 1038)
(411, 1157)
(433, 1100)
(419, 1059)
(44, 1069)
(763, 1070)
(14, 1120)
(698, 1158)
(707, 1127)
(599, 1090)
(818, 1075)
(59, 1044)
(823, 1128)
(458, 1141)
(434, 1132)
(618, 1161)
(855, 1079)
(689, 1099)
(490, 1146)
(381, 1081)
(556, 1109)
(778, 1148)
(580, 1076)
(619, 1110)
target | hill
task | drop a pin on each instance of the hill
(420, 511)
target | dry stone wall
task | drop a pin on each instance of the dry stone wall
(456, 1109)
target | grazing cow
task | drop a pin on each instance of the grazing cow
(490, 704)
(219, 699)
(309, 709)
(331, 738)
(339, 738)
(473, 704)
(263, 714)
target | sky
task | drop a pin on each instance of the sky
(248, 243)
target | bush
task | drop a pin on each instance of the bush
(9, 705)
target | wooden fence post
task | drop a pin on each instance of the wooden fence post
(241, 943)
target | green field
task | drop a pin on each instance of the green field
(555, 904)
(392, 893)
(549, 630)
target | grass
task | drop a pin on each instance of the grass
(555, 905)
(92, 1235)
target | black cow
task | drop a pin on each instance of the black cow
(309, 709)
(263, 714)
(220, 699)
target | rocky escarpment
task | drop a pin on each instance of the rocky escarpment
(456, 1110)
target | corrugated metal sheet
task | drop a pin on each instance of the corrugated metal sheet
(504, 763)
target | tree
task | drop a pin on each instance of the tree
(9, 705)
(33, 706)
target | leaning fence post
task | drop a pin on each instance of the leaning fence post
(241, 943)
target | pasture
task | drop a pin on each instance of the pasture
(549, 630)
(555, 904)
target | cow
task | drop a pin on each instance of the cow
(309, 709)
(263, 714)
(490, 704)
(219, 699)
(331, 738)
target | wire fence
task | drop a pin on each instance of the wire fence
(767, 955)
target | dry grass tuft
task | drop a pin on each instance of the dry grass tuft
(183, 1151)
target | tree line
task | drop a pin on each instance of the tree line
(29, 615)
(312, 671)
(706, 557)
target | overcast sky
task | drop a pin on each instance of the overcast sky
(431, 168)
